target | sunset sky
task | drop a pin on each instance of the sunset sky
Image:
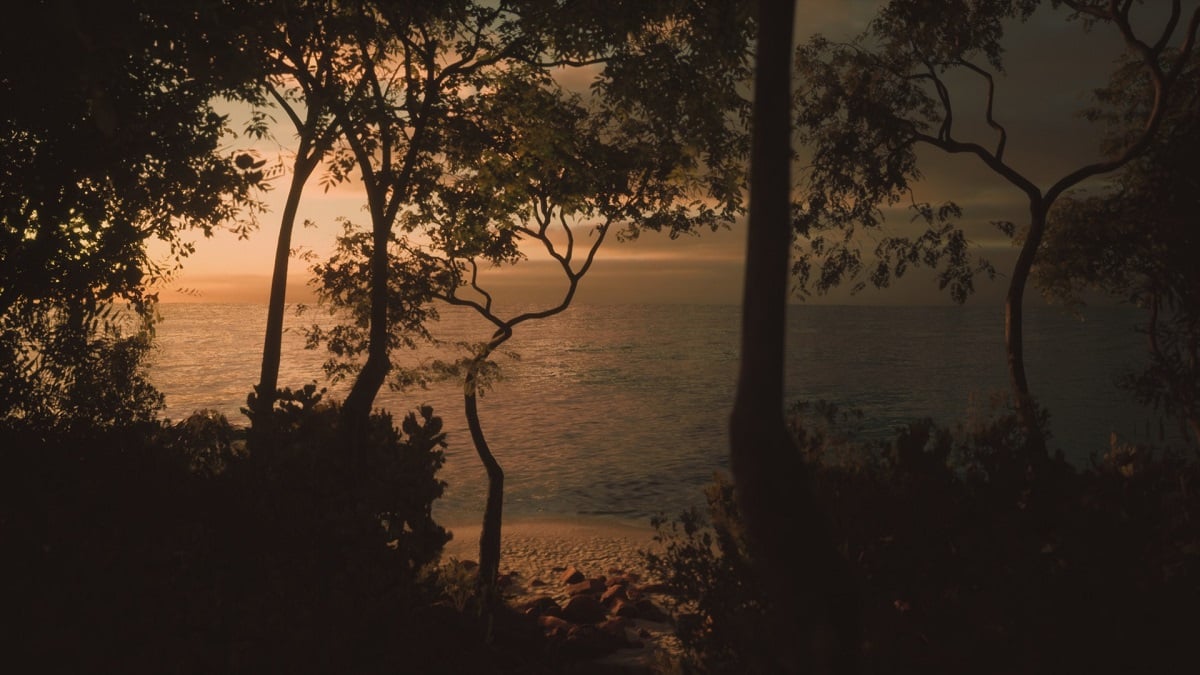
(1052, 68)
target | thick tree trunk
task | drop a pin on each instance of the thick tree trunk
(1014, 337)
(268, 380)
(814, 619)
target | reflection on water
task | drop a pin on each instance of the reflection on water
(621, 410)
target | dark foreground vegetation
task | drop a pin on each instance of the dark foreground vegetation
(159, 547)
(965, 561)
(131, 545)
(169, 548)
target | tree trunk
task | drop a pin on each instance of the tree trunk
(268, 381)
(356, 410)
(814, 619)
(489, 535)
(1014, 340)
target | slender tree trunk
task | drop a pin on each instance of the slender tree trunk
(813, 623)
(489, 535)
(1014, 335)
(268, 381)
(356, 410)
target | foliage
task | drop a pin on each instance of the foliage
(128, 150)
(705, 561)
(1135, 241)
(110, 141)
(309, 58)
(505, 151)
(171, 549)
(863, 108)
(84, 369)
(477, 148)
(966, 561)
(339, 285)
(457, 581)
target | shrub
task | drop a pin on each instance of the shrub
(705, 564)
(152, 548)
(966, 560)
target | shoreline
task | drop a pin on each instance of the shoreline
(535, 548)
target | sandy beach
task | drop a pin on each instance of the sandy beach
(535, 548)
(534, 553)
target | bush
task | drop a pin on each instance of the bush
(66, 367)
(966, 560)
(705, 564)
(153, 548)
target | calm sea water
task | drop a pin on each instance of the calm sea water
(621, 410)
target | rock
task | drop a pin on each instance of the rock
(616, 628)
(622, 580)
(537, 583)
(543, 605)
(652, 612)
(554, 627)
(469, 564)
(503, 580)
(584, 609)
(586, 586)
(612, 594)
(624, 608)
(571, 576)
(653, 587)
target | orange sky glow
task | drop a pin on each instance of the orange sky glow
(1037, 100)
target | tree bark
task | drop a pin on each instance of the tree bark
(489, 535)
(1014, 335)
(268, 381)
(814, 619)
(356, 410)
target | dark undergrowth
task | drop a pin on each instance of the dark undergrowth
(175, 548)
(968, 561)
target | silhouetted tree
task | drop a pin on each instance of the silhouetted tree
(310, 66)
(865, 107)
(1137, 241)
(539, 166)
(416, 61)
(813, 621)
(667, 91)
(110, 140)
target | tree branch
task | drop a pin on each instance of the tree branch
(993, 163)
(1163, 87)
(991, 97)
(945, 131)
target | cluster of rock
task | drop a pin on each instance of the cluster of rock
(593, 616)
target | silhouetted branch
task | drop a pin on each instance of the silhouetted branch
(988, 111)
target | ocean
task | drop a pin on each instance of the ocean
(621, 410)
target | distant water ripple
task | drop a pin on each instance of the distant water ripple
(622, 410)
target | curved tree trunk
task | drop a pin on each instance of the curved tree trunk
(268, 380)
(489, 535)
(815, 616)
(356, 410)
(1014, 336)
